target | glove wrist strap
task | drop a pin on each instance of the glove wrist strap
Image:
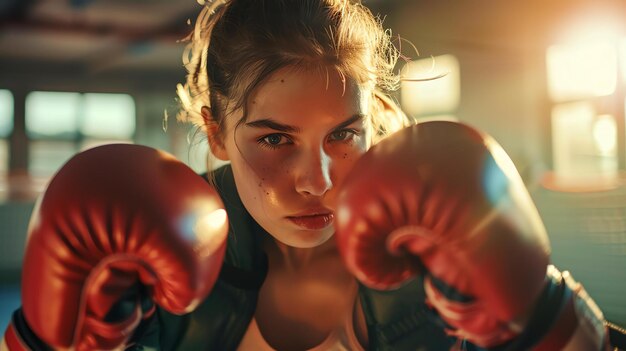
(19, 336)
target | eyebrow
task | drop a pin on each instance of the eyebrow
(349, 121)
(271, 124)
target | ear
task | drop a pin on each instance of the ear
(388, 106)
(216, 140)
(391, 112)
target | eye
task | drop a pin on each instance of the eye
(274, 140)
(342, 135)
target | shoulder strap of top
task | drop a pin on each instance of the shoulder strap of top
(245, 263)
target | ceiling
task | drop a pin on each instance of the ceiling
(135, 44)
(93, 39)
(86, 40)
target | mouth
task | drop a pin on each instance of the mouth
(315, 221)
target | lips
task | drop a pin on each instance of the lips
(313, 220)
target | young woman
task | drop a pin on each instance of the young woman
(291, 93)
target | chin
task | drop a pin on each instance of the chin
(307, 239)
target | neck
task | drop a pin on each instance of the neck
(296, 259)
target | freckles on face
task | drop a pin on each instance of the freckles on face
(266, 177)
(303, 133)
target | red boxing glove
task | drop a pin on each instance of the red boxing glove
(117, 222)
(448, 196)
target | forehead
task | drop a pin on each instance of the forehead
(320, 93)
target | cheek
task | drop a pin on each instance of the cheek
(269, 168)
(344, 162)
(261, 176)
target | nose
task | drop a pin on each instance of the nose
(313, 174)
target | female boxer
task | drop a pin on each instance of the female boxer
(291, 93)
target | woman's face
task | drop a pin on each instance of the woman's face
(304, 131)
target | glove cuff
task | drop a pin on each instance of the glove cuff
(564, 318)
(19, 336)
(581, 325)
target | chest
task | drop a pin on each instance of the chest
(298, 310)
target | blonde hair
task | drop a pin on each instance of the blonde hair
(236, 44)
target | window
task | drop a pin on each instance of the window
(6, 127)
(583, 82)
(431, 87)
(60, 124)
(107, 118)
(584, 70)
(584, 145)
(51, 115)
(52, 126)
